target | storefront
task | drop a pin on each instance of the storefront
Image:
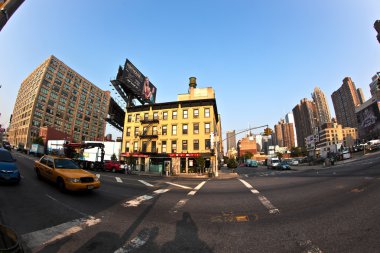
(169, 164)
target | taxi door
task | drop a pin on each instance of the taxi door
(49, 168)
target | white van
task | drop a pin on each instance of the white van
(273, 162)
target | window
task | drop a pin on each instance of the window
(155, 130)
(129, 118)
(165, 115)
(137, 117)
(207, 128)
(184, 129)
(207, 144)
(196, 128)
(174, 146)
(207, 112)
(145, 130)
(196, 113)
(184, 145)
(136, 131)
(164, 130)
(174, 129)
(144, 146)
(185, 115)
(135, 146)
(146, 115)
(155, 115)
(44, 91)
(196, 144)
(154, 147)
(127, 147)
(163, 146)
(174, 115)
(128, 131)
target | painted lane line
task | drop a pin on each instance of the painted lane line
(254, 191)
(268, 205)
(137, 201)
(192, 193)
(272, 209)
(137, 242)
(67, 206)
(146, 183)
(118, 179)
(160, 191)
(182, 202)
(178, 185)
(309, 247)
(200, 185)
(179, 205)
(49, 235)
(246, 184)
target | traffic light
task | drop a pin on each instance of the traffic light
(268, 131)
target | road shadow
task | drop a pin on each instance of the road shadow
(186, 238)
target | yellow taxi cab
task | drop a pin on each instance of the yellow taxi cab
(65, 173)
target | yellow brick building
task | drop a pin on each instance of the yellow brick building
(54, 95)
(171, 137)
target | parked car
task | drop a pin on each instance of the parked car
(65, 173)
(292, 162)
(9, 171)
(283, 165)
(7, 145)
(113, 166)
(251, 163)
(272, 162)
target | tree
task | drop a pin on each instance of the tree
(38, 140)
(247, 155)
(232, 164)
(279, 155)
(113, 157)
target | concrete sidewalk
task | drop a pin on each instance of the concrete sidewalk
(354, 157)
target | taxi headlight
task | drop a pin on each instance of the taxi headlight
(74, 180)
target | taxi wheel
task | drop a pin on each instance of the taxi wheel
(61, 185)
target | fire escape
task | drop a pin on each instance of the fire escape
(149, 134)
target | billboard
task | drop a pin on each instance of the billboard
(369, 121)
(138, 83)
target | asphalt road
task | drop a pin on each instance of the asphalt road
(333, 209)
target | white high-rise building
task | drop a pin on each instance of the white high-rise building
(289, 118)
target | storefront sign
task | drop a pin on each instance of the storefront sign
(185, 155)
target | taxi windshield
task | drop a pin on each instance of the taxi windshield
(65, 164)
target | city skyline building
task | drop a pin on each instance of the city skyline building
(374, 85)
(306, 120)
(54, 95)
(284, 134)
(345, 99)
(247, 145)
(360, 95)
(231, 140)
(322, 107)
(289, 118)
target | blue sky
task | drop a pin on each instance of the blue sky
(261, 57)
